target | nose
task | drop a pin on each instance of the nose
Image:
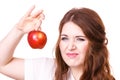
(72, 45)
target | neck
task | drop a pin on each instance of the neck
(76, 72)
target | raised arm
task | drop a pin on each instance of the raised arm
(10, 66)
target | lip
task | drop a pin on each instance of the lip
(72, 55)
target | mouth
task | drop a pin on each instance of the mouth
(72, 55)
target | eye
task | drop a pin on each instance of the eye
(64, 38)
(80, 39)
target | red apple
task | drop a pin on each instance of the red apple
(37, 39)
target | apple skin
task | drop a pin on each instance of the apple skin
(37, 39)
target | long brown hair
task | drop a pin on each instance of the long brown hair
(96, 64)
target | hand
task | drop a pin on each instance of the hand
(30, 21)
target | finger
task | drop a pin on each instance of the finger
(28, 13)
(38, 25)
(41, 17)
(36, 14)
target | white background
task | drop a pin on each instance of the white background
(12, 10)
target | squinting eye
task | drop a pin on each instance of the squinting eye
(80, 39)
(64, 38)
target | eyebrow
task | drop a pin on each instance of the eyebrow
(75, 36)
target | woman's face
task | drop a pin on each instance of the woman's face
(73, 45)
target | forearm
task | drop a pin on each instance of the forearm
(26, 24)
(8, 45)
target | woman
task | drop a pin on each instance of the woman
(92, 63)
(81, 52)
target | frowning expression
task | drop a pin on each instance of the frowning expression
(73, 44)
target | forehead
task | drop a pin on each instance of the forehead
(71, 28)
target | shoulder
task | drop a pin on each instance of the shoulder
(39, 68)
(41, 61)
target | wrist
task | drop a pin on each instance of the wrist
(18, 29)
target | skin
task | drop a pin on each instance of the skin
(73, 46)
(9, 65)
(75, 42)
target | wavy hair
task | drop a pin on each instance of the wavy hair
(96, 64)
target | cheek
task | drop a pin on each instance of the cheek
(62, 46)
(83, 52)
(83, 48)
